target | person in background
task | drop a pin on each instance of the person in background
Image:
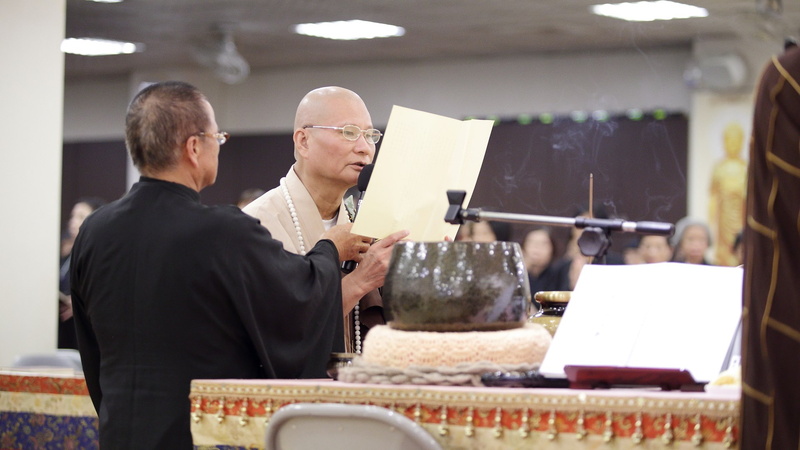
(333, 140)
(247, 196)
(630, 252)
(490, 232)
(66, 324)
(654, 249)
(691, 241)
(166, 290)
(546, 271)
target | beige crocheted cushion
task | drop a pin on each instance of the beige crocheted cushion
(388, 347)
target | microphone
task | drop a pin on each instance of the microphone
(363, 181)
(657, 228)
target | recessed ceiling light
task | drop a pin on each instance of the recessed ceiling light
(349, 30)
(648, 11)
(98, 47)
(106, 1)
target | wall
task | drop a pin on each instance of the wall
(30, 174)
(266, 101)
(504, 87)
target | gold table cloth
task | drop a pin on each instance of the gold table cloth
(236, 413)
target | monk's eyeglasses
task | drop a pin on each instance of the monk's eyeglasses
(352, 132)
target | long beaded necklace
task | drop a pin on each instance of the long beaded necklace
(302, 249)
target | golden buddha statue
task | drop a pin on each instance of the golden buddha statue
(727, 195)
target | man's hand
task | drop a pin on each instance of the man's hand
(351, 246)
(372, 269)
(64, 306)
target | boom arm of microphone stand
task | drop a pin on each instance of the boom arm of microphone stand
(456, 214)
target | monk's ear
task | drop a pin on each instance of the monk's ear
(301, 142)
(190, 151)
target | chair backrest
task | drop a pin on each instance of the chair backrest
(337, 426)
(66, 358)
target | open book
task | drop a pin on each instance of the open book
(655, 316)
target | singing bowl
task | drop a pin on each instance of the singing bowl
(456, 286)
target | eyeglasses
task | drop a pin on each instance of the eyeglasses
(351, 132)
(221, 136)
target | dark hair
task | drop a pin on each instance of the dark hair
(680, 228)
(550, 236)
(501, 230)
(159, 119)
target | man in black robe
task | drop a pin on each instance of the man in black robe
(166, 290)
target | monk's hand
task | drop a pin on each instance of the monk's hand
(352, 247)
(371, 272)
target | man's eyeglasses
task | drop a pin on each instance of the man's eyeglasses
(221, 136)
(351, 132)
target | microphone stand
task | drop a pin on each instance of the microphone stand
(594, 241)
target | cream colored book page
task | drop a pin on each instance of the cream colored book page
(422, 157)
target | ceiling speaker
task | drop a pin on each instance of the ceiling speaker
(717, 73)
(219, 53)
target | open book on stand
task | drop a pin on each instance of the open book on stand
(672, 316)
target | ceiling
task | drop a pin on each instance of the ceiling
(435, 29)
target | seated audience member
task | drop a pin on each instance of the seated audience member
(333, 139)
(654, 249)
(545, 271)
(66, 324)
(691, 241)
(630, 252)
(166, 290)
(490, 232)
(484, 232)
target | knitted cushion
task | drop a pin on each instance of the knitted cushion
(399, 349)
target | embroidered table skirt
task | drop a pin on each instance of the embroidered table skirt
(234, 414)
(46, 410)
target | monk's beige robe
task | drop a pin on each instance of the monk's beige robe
(272, 210)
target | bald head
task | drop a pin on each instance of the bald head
(322, 105)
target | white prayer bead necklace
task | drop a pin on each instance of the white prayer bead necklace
(293, 213)
(302, 249)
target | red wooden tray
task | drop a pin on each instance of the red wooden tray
(591, 377)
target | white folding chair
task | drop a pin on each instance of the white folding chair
(335, 426)
(67, 358)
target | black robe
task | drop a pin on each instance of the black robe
(166, 290)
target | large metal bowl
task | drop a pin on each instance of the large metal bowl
(456, 286)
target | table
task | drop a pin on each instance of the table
(46, 409)
(235, 414)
